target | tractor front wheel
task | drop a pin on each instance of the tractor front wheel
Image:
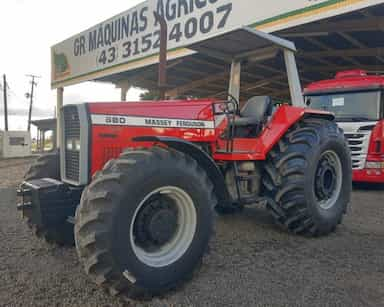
(308, 178)
(144, 222)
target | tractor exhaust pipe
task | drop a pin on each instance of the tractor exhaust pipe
(162, 79)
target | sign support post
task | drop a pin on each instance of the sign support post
(59, 124)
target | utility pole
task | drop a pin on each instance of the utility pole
(30, 96)
(5, 103)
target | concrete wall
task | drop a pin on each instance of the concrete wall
(14, 144)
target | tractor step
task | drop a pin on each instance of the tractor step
(71, 220)
(247, 177)
(223, 151)
(23, 192)
(24, 206)
(253, 201)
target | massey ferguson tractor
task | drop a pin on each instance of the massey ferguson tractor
(135, 185)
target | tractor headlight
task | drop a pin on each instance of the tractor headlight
(69, 144)
(73, 144)
(77, 145)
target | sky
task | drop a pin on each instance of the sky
(29, 29)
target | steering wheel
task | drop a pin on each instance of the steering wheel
(233, 100)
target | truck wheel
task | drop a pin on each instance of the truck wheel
(308, 178)
(48, 166)
(144, 222)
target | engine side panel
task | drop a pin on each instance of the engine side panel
(199, 109)
(115, 125)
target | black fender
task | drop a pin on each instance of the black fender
(205, 161)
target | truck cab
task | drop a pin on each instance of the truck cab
(356, 97)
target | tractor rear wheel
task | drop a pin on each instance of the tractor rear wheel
(308, 178)
(48, 166)
(144, 222)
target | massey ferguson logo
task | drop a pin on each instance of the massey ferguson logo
(136, 121)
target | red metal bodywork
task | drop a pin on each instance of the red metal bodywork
(368, 175)
(375, 154)
(109, 140)
(348, 80)
(359, 80)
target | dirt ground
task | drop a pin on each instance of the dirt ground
(250, 262)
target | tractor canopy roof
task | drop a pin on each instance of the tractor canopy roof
(242, 44)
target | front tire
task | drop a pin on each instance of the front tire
(144, 222)
(308, 178)
(45, 166)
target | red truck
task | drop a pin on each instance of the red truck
(356, 97)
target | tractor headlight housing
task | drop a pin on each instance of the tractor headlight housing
(69, 144)
(73, 144)
(77, 144)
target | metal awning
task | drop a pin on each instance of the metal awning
(349, 41)
(45, 124)
(242, 44)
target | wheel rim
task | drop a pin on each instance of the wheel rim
(163, 226)
(328, 180)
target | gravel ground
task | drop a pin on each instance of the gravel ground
(13, 170)
(250, 263)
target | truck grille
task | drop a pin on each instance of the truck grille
(358, 144)
(71, 131)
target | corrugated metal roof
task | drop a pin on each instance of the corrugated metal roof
(349, 41)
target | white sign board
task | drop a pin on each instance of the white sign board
(338, 102)
(131, 39)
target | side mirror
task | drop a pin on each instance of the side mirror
(307, 101)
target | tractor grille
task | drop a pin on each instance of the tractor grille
(358, 144)
(71, 132)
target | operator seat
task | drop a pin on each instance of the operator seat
(253, 115)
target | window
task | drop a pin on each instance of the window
(362, 106)
(16, 141)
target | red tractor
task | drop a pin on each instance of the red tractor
(140, 181)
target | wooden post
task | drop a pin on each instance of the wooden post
(43, 145)
(124, 91)
(38, 140)
(5, 103)
(124, 87)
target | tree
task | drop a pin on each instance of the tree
(149, 95)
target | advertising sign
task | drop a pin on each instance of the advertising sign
(132, 39)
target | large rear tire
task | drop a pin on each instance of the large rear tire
(308, 178)
(144, 222)
(48, 166)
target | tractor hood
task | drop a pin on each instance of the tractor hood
(114, 125)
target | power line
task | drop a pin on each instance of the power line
(5, 103)
(30, 96)
(21, 100)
